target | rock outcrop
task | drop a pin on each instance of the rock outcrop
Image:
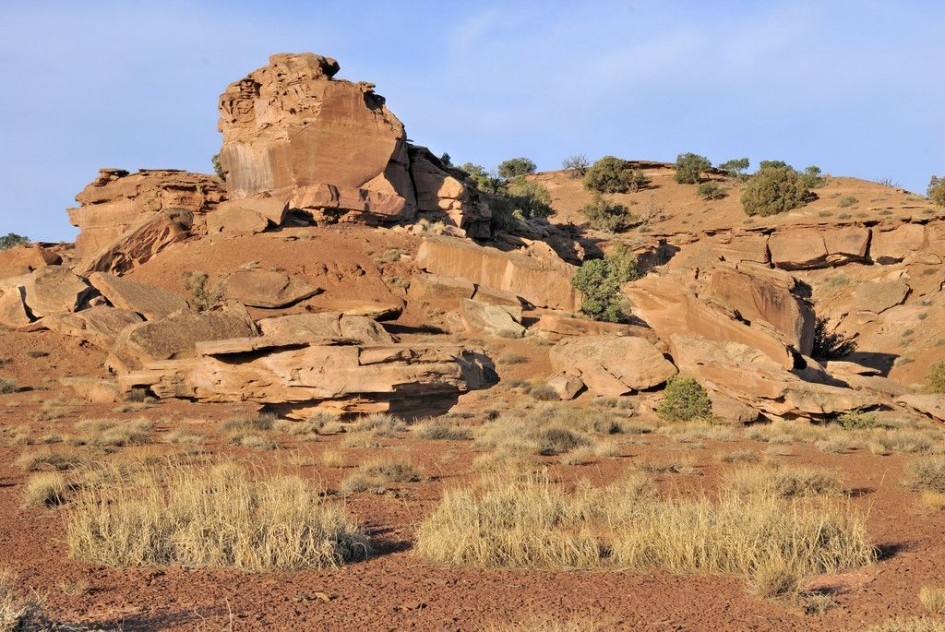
(612, 366)
(153, 303)
(543, 280)
(24, 259)
(331, 147)
(126, 218)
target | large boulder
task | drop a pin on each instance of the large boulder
(125, 219)
(612, 366)
(798, 249)
(751, 377)
(539, 277)
(153, 303)
(312, 328)
(892, 246)
(670, 308)
(175, 337)
(846, 244)
(24, 259)
(769, 295)
(97, 325)
(49, 290)
(324, 145)
(267, 288)
(489, 319)
(12, 309)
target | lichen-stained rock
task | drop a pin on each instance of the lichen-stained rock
(97, 325)
(542, 279)
(310, 328)
(125, 219)
(798, 249)
(770, 295)
(895, 245)
(612, 366)
(669, 308)
(24, 259)
(175, 337)
(489, 319)
(267, 288)
(752, 378)
(324, 145)
(153, 303)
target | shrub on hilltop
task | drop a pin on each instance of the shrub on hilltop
(12, 240)
(576, 165)
(613, 175)
(936, 190)
(775, 188)
(690, 167)
(515, 167)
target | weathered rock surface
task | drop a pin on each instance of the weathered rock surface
(49, 290)
(436, 287)
(126, 219)
(312, 328)
(175, 337)
(566, 386)
(442, 190)
(12, 309)
(846, 244)
(329, 146)
(669, 308)
(557, 326)
(612, 366)
(267, 288)
(768, 295)
(489, 319)
(153, 303)
(895, 245)
(542, 280)
(235, 220)
(751, 377)
(931, 405)
(798, 249)
(878, 296)
(98, 325)
(340, 377)
(24, 259)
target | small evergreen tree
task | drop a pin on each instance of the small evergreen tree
(936, 190)
(516, 167)
(613, 175)
(604, 214)
(684, 399)
(600, 281)
(735, 167)
(774, 189)
(689, 168)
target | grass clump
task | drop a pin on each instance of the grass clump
(684, 399)
(112, 432)
(375, 476)
(935, 380)
(442, 430)
(50, 461)
(933, 600)
(8, 386)
(46, 489)
(783, 482)
(215, 516)
(926, 473)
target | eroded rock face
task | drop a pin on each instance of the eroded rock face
(443, 190)
(153, 303)
(24, 259)
(300, 378)
(324, 145)
(49, 290)
(540, 278)
(267, 288)
(612, 366)
(126, 218)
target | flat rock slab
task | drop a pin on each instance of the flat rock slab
(153, 303)
(612, 366)
(489, 319)
(267, 288)
(932, 405)
(313, 327)
(49, 290)
(97, 325)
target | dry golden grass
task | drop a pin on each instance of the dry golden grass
(46, 489)
(218, 516)
(920, 624)
(783, 481)
(379, 425)
(331, 457)
(925, 473)
(112, 432)
(933, 500)
(739, 456)
(18, 614)
(442, 429)
(375, 476)
(933, 600)
(51, 461)
(531, 523)
(544, 623)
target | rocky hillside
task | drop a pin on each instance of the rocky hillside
(338, 267)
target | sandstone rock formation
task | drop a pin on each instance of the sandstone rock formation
(299, 376)
(441, 189)
(24, 259)
(489, 319)
(153, 303)
(126, 219)
(328, 146)
(612, 366)
(541, 279)
(49, 290)
(267, 288)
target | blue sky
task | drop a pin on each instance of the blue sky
(851, 86)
